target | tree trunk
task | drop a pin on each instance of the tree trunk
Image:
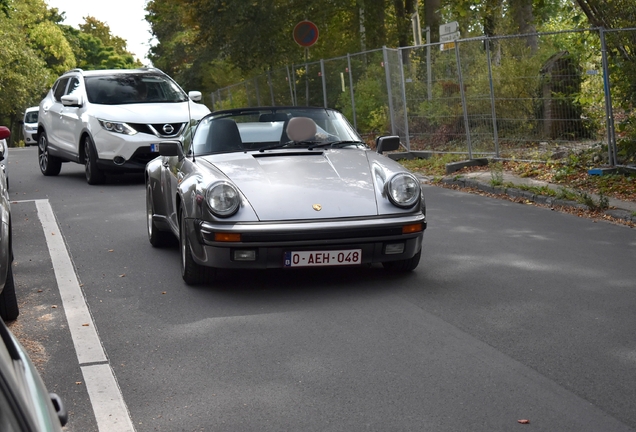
(524, 19)
(432, 18)
(372, 14)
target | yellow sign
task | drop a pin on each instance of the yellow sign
(447, 46)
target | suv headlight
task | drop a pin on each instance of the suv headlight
(117, 127)
(223, 199)
(403, 190)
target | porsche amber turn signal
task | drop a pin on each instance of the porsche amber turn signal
(413, 228)
(227, 237)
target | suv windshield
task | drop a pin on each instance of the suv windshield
(119, 89)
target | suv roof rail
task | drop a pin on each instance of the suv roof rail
(74, 70)
(154, 69)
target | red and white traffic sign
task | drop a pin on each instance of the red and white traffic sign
(305, 33)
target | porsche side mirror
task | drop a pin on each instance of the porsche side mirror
(387, 143)
(170, 148)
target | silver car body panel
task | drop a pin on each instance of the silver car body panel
(300, 198)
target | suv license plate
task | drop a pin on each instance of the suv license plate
(323, 258)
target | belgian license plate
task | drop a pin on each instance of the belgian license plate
(323, 258)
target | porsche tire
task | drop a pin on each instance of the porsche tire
(49, 165)
(94, 175)
(156, 237)
(406, 265)
(191, 272)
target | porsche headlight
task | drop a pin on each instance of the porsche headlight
(223, 199)
(403, 190)
(117, 127)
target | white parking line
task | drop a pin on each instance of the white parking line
(108, 403)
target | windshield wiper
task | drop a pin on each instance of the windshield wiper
(334, 143)
(290, 143)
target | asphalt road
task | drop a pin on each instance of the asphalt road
(515, 312)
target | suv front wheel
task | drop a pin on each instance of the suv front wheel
(49, 165)
(94, 175)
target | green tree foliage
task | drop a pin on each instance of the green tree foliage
(36, 48)
(24, 75)
(100, 49)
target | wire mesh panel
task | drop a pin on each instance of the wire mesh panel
(520, 96)
(368, 108)
(337, 82)
(434, 101)
(621, 58)
(538, 90)
(394, 75)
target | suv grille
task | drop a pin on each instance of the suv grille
(159, 129)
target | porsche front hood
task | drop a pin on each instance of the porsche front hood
(303, 184)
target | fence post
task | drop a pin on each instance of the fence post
(495, 132)
(271, 87)
(213, 100)
(307, 84)
(403, 88)
(463, 94)
(295, 96)
(353, 100)
(388, 88)
(429, 69)
(258, 92)
(609, 111)
(324, 83)
(247, 93)
(291, 90)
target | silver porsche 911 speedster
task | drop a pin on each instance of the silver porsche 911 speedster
(282, 187)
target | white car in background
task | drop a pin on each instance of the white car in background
(30, 126)
(109, 119)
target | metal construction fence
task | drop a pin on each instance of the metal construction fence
(519, 96)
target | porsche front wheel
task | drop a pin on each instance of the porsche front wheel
(157, 238)
(192, 273)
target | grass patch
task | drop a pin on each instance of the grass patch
(432, 166)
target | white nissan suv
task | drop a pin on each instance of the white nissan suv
(108, 120)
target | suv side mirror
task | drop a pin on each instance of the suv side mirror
(72, 101)
(195, 96)
(387, 143)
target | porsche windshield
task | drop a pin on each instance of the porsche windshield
(263, 129)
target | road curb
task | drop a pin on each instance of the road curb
(512, 192)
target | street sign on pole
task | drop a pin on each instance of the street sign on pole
(448, 28)
(448, 34)
(450, 37)
(305, 33)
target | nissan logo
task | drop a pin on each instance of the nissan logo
(168, 129)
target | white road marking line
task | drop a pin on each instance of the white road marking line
(108, 403)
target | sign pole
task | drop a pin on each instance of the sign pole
(306, 77)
